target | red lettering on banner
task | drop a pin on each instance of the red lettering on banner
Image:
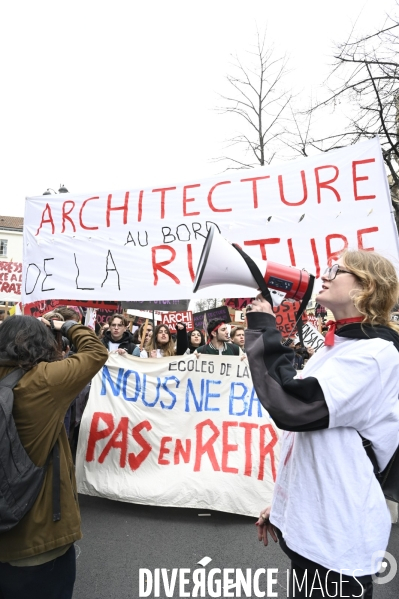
(248, 427)
(315, 257)
(255, 187)
(286, 317)
(81, 214)
(115, 443)
(326, 184)
(208, 440)
(135, 461)
(140, 207)
(190, 261)
(207, 447)
(211, 206)
(163, 450)
(181, 451)
(95, 434)
(46, 220)
(124, 207)
(262, 244)
(332, 256)
(65, 215)
(228, 447)
(163, 191)
(291, 252)
(267, 450)
(160, 266)
(360, 234)
(356, 179)
(305, 191)
(186, 200)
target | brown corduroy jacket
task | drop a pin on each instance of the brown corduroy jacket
(41, 399)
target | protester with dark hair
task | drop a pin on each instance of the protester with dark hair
(37, 556)
(328, 509)
(195, 340)
(67, 313)
(117, 339)
(160, 345)
(218, 337)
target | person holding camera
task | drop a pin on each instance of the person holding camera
(37, 556)
(328, 510)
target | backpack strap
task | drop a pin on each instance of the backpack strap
(12, 378)
(11, 381)
(56, 482)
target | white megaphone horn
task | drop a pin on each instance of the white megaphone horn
(224, 263)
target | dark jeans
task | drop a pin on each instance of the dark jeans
(52, 580)
(319, 583)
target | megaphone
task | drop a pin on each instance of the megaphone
(224, 263)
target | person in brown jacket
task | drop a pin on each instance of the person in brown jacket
(37, 556)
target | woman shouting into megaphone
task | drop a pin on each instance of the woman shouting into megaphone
(328, 510)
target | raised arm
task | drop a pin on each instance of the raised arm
(294, 404)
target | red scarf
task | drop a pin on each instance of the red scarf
(332, 327)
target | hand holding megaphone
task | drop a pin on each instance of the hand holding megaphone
(260, 304)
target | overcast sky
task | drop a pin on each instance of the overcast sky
(100, 96)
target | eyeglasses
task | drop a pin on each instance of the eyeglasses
(331, 272)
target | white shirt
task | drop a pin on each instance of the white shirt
(144, 353)
(113, 346)
(327, 501)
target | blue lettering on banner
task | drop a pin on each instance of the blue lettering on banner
(190, 389)
(242, 399)
(253, 398)
(115, 387)
(173, 396)
(239, 398)
(209, 395)
(157, 388)
(124, 387)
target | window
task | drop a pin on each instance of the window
(3, 247)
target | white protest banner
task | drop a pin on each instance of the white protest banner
(144, 244)
(179, 431)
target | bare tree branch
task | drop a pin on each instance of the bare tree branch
(260, 102)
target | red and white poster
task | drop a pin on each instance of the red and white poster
(145, 244)
(173, 318)
(179, 431)
(10, 281)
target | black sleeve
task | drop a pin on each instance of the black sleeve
(294, 404)
(181, 341)
(236, 349)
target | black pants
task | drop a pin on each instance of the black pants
(319, 583)
(52, 580)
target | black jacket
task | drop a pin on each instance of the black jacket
(126, 342)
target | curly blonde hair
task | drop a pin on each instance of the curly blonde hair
(380, 286)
